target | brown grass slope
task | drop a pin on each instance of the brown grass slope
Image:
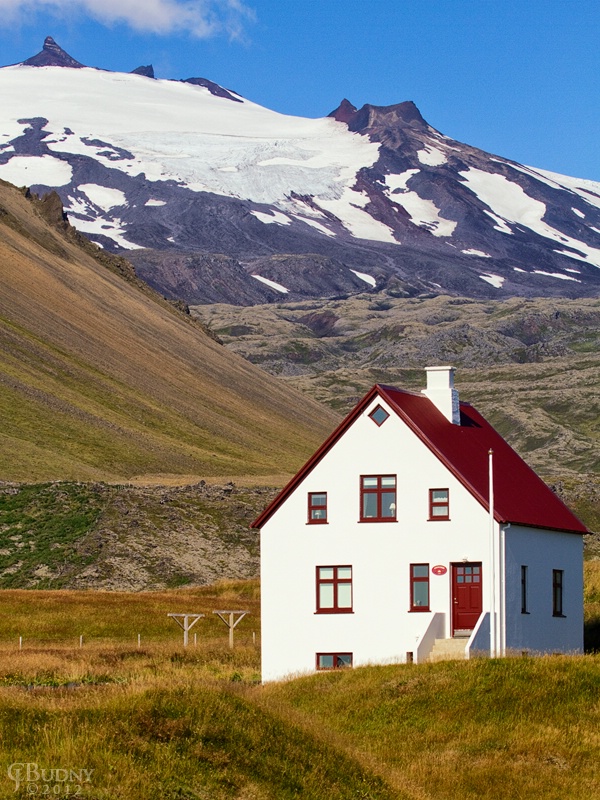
(101, 379)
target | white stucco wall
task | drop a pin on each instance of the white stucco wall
(543, 551)
(380, 629)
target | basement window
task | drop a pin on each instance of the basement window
(334, 660)
(379, 415)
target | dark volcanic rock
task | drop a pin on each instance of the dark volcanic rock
(52, 55)
(214, 88)
(148, 71)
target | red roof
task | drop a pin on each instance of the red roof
(520, 496)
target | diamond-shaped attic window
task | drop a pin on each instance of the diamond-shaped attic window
(379, 415)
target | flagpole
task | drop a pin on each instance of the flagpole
(493, 632)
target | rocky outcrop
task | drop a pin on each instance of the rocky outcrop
(52, 55)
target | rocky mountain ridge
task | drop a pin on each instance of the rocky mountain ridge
(289, 208)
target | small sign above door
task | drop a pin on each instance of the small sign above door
(439, 569)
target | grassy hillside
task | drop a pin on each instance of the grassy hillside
(102, 379)
(162, 722)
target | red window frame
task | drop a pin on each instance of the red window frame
(377, 418)
(378, 491)
(439, 505)
(419, 579)
(334, 657)
(315, 509)
(335, 580)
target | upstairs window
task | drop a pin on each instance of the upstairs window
(378, 498)
(439, 504)
(557, 592)
(334, 590)
(379, 415)
(419, 587)
(334, 660)
(317, 508)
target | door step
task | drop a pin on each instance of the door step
(448, 649)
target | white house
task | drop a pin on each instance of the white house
(384, 543)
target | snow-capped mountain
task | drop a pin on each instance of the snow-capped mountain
(215, 198)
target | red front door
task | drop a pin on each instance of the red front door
(466, 596)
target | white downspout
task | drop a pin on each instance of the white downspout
(493, 635)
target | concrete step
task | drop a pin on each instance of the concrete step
(448, 649)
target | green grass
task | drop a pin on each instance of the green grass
(41, 524)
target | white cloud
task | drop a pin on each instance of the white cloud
(200, 18)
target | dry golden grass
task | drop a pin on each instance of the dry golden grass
(165, 722)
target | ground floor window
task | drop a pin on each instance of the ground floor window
(419, 587)
(334, 660)
(557, 592)
(334, 590)
(524, 582)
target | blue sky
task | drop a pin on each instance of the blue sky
(518, 78)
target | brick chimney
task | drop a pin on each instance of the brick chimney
(440, 390)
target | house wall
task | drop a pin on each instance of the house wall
(538, 631)
(381, 628)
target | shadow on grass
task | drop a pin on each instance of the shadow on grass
(591, 636)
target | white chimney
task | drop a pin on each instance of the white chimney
(440, 390)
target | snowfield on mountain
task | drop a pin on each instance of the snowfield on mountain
(217, 199)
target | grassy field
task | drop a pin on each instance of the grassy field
(160, 721)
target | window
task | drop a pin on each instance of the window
(419, 587)
(379, 415)
(317, 507)
(557, 593)
(334, 660)
(439, 504)
(334, 590)
(378, 498)
(524, 586)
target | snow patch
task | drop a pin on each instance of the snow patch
(432, 156)
(314, 224)
(495, 280)
(479, 253)
(555, 275)
(103, 197)
(277, 286)
(275, 217)
(366, 278)
(30, 170)
(348, 209)
(153, 202)
(423, 213)
(112, 229)
(578, 212)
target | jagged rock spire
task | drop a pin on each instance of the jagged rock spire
(52, 55)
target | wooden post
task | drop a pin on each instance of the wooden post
(186, 622)
(139, 640)
(229, 618)
(20, 642)
(81, 641)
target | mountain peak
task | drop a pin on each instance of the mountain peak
(147, 71)
(52, 55)
(369, 117)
